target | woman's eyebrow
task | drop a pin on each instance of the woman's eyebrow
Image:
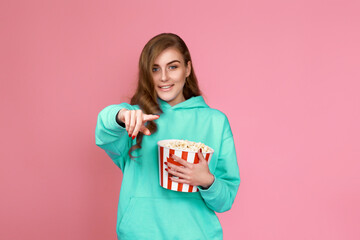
(173, 62)
(168, 63)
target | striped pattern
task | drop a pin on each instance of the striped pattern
(164, 156)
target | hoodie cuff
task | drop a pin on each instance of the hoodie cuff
(113, 114)
(211, 192)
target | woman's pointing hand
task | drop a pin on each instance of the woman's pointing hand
(135, 121)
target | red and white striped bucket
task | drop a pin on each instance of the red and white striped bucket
(189, 156)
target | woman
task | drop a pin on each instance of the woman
(168, 105)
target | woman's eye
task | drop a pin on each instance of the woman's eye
(173, 67)
(155, 69)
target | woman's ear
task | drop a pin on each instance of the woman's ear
(188, 68)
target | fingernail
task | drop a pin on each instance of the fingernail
(133, 137)
(200, 150)
(129, 135)
(165, 163)
(166, 169)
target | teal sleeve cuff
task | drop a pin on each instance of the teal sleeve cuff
(112, 118)
(211, 192)
(113, 113)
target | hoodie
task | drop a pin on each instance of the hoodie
(148, 211)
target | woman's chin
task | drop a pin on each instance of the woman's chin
(166, 99)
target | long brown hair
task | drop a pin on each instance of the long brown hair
(145, 95)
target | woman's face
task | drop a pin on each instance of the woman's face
(169, 73)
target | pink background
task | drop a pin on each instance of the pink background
(286, 73)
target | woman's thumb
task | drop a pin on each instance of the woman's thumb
(200, 155)
(145, 130)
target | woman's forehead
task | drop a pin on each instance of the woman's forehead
(169, 55)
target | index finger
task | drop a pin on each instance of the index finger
(150, 117)
(180, 160)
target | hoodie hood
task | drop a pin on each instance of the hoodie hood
(193, 102)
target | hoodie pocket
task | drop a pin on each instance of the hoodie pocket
(169, 218)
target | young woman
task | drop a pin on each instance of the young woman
(168, 105)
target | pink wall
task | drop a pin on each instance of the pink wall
(285, 72)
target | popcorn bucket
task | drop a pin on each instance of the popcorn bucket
(189, 156)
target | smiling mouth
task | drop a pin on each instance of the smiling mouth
(167, 87)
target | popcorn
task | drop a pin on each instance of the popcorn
(186, 145)
(187, 151)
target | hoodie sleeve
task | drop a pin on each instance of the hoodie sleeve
(221, 194)
(112, 137)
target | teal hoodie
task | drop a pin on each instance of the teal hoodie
(148, 211)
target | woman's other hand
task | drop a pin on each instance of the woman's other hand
(189, 173)
(135, 121)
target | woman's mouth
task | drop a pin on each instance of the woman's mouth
(166, 88)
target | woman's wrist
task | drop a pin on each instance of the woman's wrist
(209, 182)
(119, 117)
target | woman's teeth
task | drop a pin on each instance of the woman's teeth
(166, 87)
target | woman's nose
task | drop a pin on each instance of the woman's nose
(164, 76)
